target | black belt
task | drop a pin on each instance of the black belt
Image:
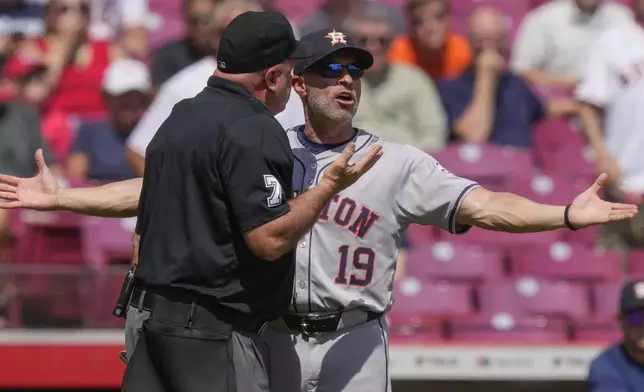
(311, 324)
(135, 301)
(178, 308)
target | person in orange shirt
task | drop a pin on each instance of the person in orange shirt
(430, 45)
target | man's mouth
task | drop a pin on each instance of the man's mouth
(345, 98)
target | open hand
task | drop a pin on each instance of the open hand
(588, 209)
(340, 174)
(38, 193)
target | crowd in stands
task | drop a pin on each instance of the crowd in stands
(531, 96)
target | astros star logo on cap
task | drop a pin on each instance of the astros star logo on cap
(336, 37)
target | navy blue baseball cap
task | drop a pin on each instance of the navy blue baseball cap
(632, 297)
(254, 41)
(326, 42)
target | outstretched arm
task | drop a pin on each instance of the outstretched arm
(115, 200)
(41, 192)
(511, 213)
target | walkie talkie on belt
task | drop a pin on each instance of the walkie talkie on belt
(120, 309)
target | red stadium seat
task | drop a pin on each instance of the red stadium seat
(571, 163)
(420, 235)
(562, 260)
(526, 295)
(488, 164)
(508, 327)
(107, 241)
(636, 263)
(602, 326)
(421, 306)
(448, 261)
(501, 240)
(553, 135)
(51, 237)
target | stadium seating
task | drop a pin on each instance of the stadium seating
(504, 241)
(636, 263)
(447, 261)
(492, 166)
(413, 314)
(508, 327)
(562, 260)
(602, 325)
(50, 237)
(107, 241)
(532, 296)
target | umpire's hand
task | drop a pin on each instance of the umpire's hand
(341, 174)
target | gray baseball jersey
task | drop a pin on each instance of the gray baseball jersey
(348, 259)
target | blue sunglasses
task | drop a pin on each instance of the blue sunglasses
(336, 70)
(634, 319)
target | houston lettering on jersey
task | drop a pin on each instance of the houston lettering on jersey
(346, 213)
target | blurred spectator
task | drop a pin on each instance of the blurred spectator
(430, 45)
(488, 103)
(99, 150)
(398, 102)
(20, 137)
(336, 12)
(21, 17)
(620, 368)
(124, 21)
(197, 44)
(612, 91)
(553, 40)
(189, 82)
(72, 63)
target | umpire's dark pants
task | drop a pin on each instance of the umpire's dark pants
(187, 347)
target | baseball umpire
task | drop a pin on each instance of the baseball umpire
(217, 230)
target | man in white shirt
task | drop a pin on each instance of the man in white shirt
(611, 92)
(188, 83)
(553, 40)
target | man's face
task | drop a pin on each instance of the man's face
(376, 38)
(62, 15)
(127, 109)
(332, 91)
(587, 5)
(198, 20)
(633, 329)
(488, 33)
(278, 96)
(430, 25)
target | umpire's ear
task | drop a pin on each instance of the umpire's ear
(299, 86)
(271, 77)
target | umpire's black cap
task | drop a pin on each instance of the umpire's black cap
(254, 41)
(632, 298)
(329, 41)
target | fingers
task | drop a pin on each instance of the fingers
(599, 183)
(8, 196)
(617, 216)
(368, 160)
(623, 207)
(40, 161)
(9, 179)
(11, 205)
(348, 152)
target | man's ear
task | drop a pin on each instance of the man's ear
(271, 77)
(299, 85)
